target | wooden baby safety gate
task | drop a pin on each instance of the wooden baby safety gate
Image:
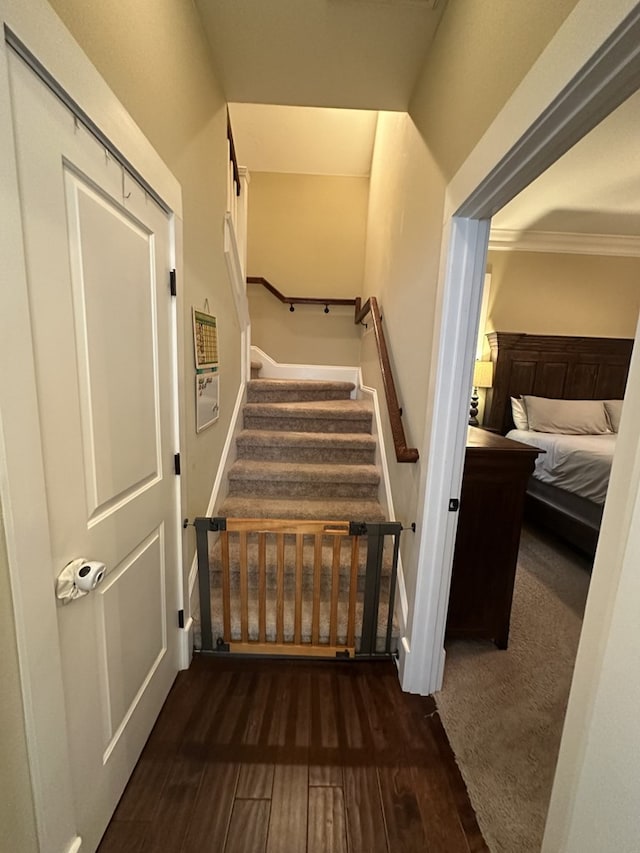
(297, 587)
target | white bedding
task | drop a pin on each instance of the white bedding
(577, 463)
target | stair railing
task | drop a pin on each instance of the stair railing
(403, 452)
(296, 300)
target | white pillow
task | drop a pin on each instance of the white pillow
(571, 417)
(519, 413)
(613, 409)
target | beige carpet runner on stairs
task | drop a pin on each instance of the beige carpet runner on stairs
(306, 452)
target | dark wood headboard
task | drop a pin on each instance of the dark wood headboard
(557, 366)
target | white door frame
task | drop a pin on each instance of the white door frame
(22, 489)
(589, 68)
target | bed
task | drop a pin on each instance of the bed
(558, 367)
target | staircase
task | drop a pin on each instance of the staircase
(306, 452)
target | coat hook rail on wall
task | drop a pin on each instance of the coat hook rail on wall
(292, 301)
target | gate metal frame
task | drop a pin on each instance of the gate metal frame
(375, 533)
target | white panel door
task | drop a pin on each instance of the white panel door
(97, 254)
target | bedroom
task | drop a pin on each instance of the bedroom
(578, 313)
(564, 261)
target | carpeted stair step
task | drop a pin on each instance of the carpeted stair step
(316, 508)
(297, 390)
(337, 448)
(289, 603)
(256, 367)
(290, 582)
(289, 563)
(334, 416)
(290, 479)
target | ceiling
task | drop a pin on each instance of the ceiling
(303, 140)
(366, 55)
(593, 189)
(361, 54)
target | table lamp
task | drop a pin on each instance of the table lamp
(482, 378)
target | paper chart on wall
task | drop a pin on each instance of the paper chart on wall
(205, 340)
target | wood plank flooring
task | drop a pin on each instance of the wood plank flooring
(263, 756)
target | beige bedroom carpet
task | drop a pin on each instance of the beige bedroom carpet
(503, 710)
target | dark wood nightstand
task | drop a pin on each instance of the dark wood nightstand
(496, 471)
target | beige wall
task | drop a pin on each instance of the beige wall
(481, 52)
(17, 819)
(306, 233)
(556, 294)
(401, 270)
(307, 336)
(154, 56)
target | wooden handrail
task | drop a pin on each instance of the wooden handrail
(232, 151)
(297, 300)
(403, 453)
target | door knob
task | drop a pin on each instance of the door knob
(79, 577)
(89, 574)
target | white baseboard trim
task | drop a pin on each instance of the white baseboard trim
(193, 573)
(272, 369)
(443, 660)
(226, 458)
(412, 681)
(386, 498)
(186, 644)
(75, 845)
(404, 652)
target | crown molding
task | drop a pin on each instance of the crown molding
(505, 240)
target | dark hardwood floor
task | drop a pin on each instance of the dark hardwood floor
(263, 756)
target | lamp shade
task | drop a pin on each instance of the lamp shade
(483, 374)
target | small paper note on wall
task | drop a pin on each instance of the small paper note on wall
(207, 398)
